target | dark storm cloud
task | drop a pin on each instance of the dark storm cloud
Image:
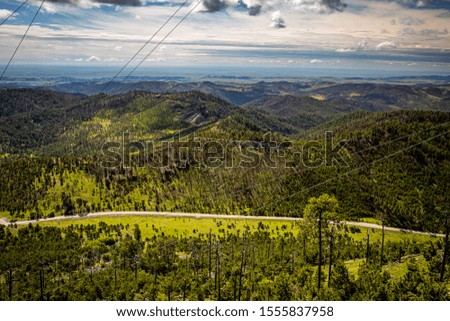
(214, 5)
(252, 7)
(334, 5)
(255, 8)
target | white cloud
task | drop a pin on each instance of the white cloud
(105, 33)
(386, 45)
(362, 44)
(420, 4)
(345, 50)
(277, 21)
(49, 8)
(93, 58)
(312, 6)
(5, 13)
(255, 7)
(315, 61)
(112, 60)
(160, 59)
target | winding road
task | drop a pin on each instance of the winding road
(5, 222)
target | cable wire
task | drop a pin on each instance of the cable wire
(21, 40)
(18, 8)
(163, 39)
(350, 171)
(143, 46)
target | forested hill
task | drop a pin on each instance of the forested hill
(34, 120)
(394, 166)
(54, 123)
(50, 122)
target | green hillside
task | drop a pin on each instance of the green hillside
(393, 165)
(303, 112)
(278, 156)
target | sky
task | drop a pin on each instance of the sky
(373, 34)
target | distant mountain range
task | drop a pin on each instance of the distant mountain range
(75, 117)
(369, 96)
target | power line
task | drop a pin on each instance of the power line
(350, 171)
(21, 40)
(220, 193)
(163, 39)
(18, 8)
(277, 178)
(143, 46)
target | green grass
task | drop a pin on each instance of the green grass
(370, 220)
(376, 236)
(397, 269)
(353, 266)
(79, 183)
(178, 226)
(174, 226)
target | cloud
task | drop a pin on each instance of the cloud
(112, 60)
(49, 8)
(421, 4)
(386, 45)
(215, 5)
(315, 61)
(361, 45)
(118, 48)
(408, 32)
(433, 32)
(317, 6)
(334, 5)
(160, 59)
(93, 59)
(4, 13)
(94, 3)
(423, 32)
(255, 10)
(411, 21)
(252, 7)
(409, 3)
(255, 7)
(277, 21)
(345, 50)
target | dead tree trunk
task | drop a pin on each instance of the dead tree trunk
(444, 258)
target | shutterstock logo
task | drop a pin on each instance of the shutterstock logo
(192, 151)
